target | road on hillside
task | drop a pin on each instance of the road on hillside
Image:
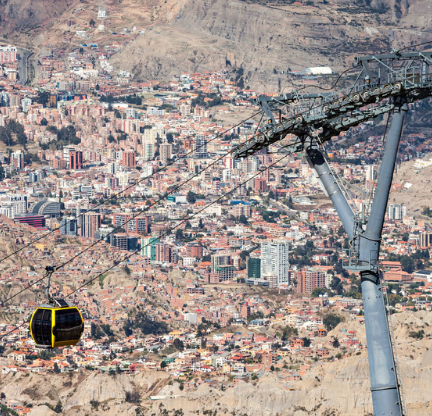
(24, 65)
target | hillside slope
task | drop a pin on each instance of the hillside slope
(196, 35)
(340, 388)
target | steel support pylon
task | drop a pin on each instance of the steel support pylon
(386, 397)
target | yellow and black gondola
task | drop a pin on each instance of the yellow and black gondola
(56, 324)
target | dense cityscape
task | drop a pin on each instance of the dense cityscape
(181, 258)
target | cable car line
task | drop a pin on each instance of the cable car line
(163, 197)
(140, 212)
(183, 221)
(142, 179)
(214, 162)
(161, 169)
(134, 216)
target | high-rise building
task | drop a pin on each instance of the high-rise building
(216, 185)
(370, 172)
(310, 279)
(69, 226)
(124, 242)
(194, 250)
(425, 239)
(17, 160)
(114, 183)
(15, 205)
(274, 260)
(165, 151)
(225, 272)
(149, 143)
(163, 253)
(148, 247)
(36, 221)
(25, 104)
(228, 162)
(253, 268)
(4, 99)
(91, 222)
(201, 147)
(396, 211)
(8, 54)
(260, 185)
(128, 159)
(138, 224)
(66, 151)
(75, 159)
(218, 260)
(221, 265)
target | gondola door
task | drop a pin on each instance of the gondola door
(42, 326)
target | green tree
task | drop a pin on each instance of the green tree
(318, 291)
(178, 344)
(163, 364)
(336, 285)
(179, 235)
(170, 138)
(243, 219)
(306, 342)
(289, 332)
(336, 343)
(332, 320)
(56, 368)
(58, 407)
(191, 197)
(407, 263)
(43, 98)
(44, 122)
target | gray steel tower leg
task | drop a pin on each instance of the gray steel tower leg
(386, 396)
(384, 384)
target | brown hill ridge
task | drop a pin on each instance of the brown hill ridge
(190, 35)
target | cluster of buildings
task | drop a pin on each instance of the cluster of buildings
(145, 168)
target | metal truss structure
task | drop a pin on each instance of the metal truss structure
(384, 84)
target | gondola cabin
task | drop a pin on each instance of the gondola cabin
(56, 324)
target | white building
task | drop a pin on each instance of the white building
(274, 260)
(14, 205)
(102, 12)
(370, 172)
(149, 143)
(190, 317)
(396, 211)
(25, 104)
(17, 160)
(318, 70)
(8, 54)
(154, 111)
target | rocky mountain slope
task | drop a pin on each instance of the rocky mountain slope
(196, 35)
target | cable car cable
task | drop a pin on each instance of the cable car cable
(128, 187)
(174, 190)
(183, 221)
(56, 268)
(163, 234)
